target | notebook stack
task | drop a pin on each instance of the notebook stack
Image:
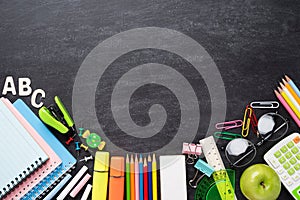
(33, 159)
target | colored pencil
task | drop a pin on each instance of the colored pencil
(154, 178)
(288, 109)
(136, 179)
(293, 85)
(150, 178)
(145, 180)
(289, 87)
(290, 96)
(132, 186)
(141, 181)
(290, 103)
(127, 171)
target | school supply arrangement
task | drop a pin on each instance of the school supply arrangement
(43, 169)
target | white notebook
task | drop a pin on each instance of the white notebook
(173, 177)
(20, 155)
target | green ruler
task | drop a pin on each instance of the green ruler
(225, 187)
(207, 188)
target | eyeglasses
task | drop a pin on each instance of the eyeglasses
(271, 127)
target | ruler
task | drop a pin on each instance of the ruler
(213, 158)
(208, 186)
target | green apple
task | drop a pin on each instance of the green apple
(260, 182)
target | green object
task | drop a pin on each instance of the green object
(282, 160)
(288, 155)
(226, 135)
(57, 117)
(296, 193)
(290, 144)
(127, 170)
(291, 171)
(277, 154)
(286, 165)
(297, 166)
(283, 149)
(295, 150)
(207, 188)
(64, 111)
(293, 161)
(93, 140)
(298, 156)
(47, 117)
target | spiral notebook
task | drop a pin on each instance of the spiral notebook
(68, 161)
(20, 154)
(42, 171)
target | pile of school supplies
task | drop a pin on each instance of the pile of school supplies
(34, 159)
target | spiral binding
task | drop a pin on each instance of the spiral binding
(21, 177)
(42, 188)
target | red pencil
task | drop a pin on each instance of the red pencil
(145, 180)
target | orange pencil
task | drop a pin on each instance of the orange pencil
(132, 184)
(289, 87)
(145, 180)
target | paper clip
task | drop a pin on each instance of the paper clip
(192, 150)
(229, 125)
(264, 104)
(205, 168)
(226, 135)
(249, 119)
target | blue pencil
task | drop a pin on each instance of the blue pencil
(150, 178)
(292, 84)
(141, 169)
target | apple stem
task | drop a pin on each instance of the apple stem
(262, 184)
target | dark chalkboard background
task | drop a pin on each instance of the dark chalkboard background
(253, 43)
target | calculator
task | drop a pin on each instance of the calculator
(284, 158)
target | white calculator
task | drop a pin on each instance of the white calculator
(284, 158)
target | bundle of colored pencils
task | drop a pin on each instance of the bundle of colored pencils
(141, 178)
(289, 96)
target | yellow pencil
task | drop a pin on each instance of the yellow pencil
(154, 178)
(289, 87)
(286, 98)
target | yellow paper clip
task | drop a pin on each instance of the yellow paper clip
(246, 121)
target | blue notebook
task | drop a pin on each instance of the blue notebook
(68, 161)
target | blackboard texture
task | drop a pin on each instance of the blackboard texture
(248, 45)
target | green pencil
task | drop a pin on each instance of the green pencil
(127, 178)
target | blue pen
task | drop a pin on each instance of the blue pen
(58, 187)
(150, 195)
(292, 84)
(141, 178)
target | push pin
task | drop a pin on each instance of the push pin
(86, 158)
(84, 147)
(77, 148)
(80, 131)
(69, 140)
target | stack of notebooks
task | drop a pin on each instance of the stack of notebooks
(33, 160)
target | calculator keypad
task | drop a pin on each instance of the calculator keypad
(284, 158)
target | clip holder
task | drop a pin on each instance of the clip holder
(229, 124)
(205, 168)
(264, 104)
(192, 150)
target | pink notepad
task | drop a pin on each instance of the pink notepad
(53, 161)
